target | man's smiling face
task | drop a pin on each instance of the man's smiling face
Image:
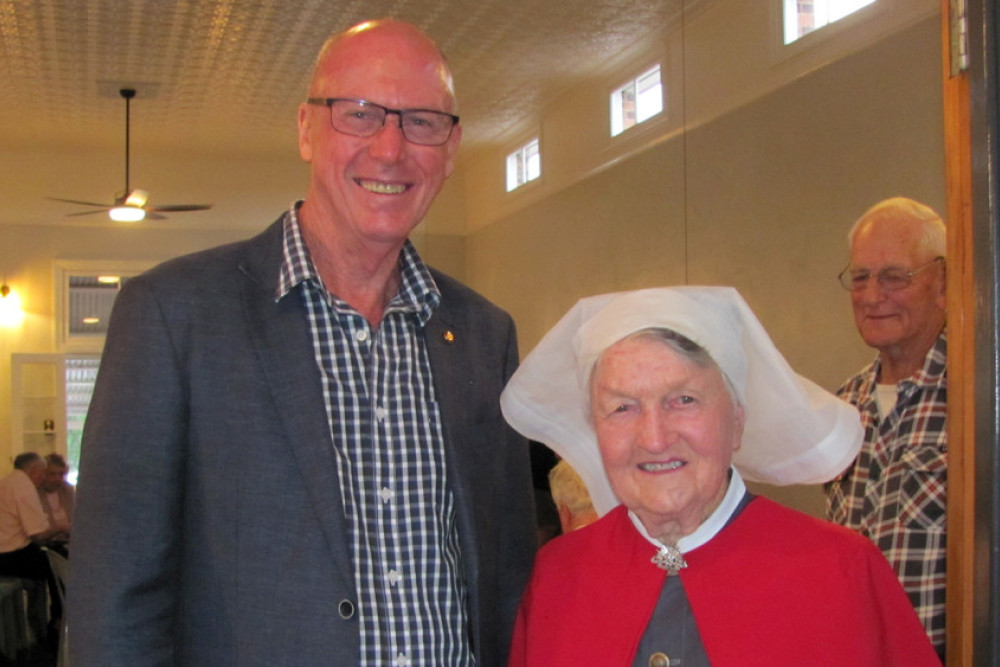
(377, 188)
(905, 321)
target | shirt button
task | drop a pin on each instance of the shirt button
(394, 577)
(346, 609)
(401, 660)
(380, 413)
(361, 336)
(385, 494)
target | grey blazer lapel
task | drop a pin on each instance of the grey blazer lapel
(449, 355)
(281, 337)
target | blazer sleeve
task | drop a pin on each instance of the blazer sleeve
(121, 600)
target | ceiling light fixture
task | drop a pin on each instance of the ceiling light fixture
(126, 213)
(131, 205)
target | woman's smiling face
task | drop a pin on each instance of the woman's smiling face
(667, 428)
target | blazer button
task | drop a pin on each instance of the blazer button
(346, 609)
(659, 660)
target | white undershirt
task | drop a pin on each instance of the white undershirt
(885, 398)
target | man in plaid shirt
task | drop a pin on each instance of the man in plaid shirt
(895, 490)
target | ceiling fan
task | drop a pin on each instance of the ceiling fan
(131, 205)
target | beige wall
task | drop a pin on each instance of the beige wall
(760, 197)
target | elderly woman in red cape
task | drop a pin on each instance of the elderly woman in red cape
(665, 400)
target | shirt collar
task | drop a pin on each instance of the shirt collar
(933, 370)
(711, 526)
(931, 374)
(418, 293)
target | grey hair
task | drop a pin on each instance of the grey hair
(686, 348)
(933, 236)
(27, 460)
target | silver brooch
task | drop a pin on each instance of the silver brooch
(669, 558)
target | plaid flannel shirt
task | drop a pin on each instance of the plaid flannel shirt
(894, 492)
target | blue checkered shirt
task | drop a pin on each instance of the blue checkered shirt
(386, 430)
(895, 491)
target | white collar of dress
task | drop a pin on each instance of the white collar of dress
(711, 526)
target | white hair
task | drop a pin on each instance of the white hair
(933, 237)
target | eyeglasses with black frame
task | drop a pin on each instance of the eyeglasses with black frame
(360, 118)
(890, 278)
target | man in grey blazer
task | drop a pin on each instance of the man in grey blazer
(295, 453)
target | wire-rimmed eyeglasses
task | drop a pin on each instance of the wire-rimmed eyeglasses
(360, 118)
(890, 278)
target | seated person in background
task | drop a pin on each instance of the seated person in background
(663, 400)
(57, 495)
(24, 525)
(570, 496)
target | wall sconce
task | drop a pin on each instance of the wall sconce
(10, 306)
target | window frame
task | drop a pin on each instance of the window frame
(831, 30)
(524, 169)
(616, 111)
(64, 270)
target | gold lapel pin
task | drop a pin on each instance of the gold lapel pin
(449, 337)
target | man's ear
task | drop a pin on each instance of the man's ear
(942, 291)
(305, 132)
(565, 518)
(452, 147)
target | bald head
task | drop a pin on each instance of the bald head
(380, 45)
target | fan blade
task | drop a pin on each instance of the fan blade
(83, 203)
(155, 216)
(73, 215)
(167, 208)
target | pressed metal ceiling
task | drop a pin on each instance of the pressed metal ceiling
(219, 82)
(226, 75)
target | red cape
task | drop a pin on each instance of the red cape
(774, 587)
